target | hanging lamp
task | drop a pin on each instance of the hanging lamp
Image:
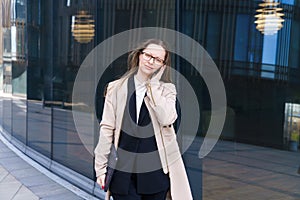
(269, 20)
(83, 28)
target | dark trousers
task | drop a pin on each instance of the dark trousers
(133, 195)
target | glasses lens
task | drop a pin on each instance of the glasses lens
(147, 56)
(156, 61)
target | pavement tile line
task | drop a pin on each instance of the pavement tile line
(17, 192)
(79, 192)
(11, 188)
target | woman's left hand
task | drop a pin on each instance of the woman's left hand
(100, 181)
(162, 98)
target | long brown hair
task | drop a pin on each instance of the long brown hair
(133, 59)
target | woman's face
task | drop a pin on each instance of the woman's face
(151, 59)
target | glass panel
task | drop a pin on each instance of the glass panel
(269, 49)
(213, 34)
(41, 55)
(7, 63)
(67, 57)
(291, 2)
(1, 77)
(241, 38)
(37, 65)
(292, 126)
(1, 111)
(7, 114)
(18, 53)
(1, 50)
(67, 146)
(19, 79)
(39, 127)
(269, 56)
(19, 114)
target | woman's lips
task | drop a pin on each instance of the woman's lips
(148, 67)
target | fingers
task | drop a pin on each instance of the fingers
(100, 181)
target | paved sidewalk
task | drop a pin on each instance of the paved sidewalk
(11, 188)
(21, 181)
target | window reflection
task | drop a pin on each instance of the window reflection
(7, 114)
(83, 27)
(67, 146)
(68, 3)
(39, 127)
(290, 2)
(40, 59)
(292, 126)
(19, 115)
(269, 56)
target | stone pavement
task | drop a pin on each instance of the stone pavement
(21, 181)
(11, 188)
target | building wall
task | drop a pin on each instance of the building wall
(1, 51)
(260, 73)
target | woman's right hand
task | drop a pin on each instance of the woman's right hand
(100, 181)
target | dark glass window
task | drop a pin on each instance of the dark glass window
(39, 127)
(68, 148)
(241, 37)
(213, 34)
(7, 115)
(261, 74)
(19, 115)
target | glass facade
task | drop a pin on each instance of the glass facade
(40, 58)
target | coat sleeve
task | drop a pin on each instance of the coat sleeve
(162, 98)
(107, 127)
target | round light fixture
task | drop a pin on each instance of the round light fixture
(269, 20)
(83, 28)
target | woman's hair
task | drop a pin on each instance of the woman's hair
(133, 59)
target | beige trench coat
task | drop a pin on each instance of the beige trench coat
(163, 113)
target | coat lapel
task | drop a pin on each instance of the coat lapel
(121, 94)
(157, 135)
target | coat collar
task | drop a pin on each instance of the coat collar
(121, 94)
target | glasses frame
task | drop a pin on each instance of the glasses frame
(156, 60)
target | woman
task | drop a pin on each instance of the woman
(138, 114)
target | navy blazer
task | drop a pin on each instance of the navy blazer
(147, 182)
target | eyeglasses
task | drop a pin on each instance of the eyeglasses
(156, 60)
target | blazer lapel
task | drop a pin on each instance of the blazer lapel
(132, 107)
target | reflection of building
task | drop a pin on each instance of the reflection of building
(14, 46)
(292, 123)
(41, 59)
(1, 50)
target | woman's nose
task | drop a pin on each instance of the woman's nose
(151, 60)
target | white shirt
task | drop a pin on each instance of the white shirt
(140, 90)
